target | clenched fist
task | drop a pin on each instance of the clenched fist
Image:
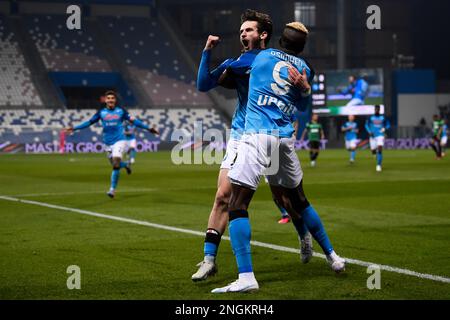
(211, 42)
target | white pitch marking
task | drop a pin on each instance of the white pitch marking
(199, 233)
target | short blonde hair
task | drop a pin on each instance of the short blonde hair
(298, 26)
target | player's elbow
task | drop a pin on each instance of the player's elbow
(202, 87)
(203, 84)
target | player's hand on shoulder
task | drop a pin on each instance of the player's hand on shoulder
(211, 42)
(300, 80)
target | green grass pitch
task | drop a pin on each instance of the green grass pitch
(399, 217)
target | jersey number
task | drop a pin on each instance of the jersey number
(280, 86)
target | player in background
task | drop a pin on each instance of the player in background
(351, 136)
(130, 135)
(376, 127)
(112, 118)
(358, 89)
(435, 141)
(255, 33)
(279, 85)
(444, 136)
(315, 133)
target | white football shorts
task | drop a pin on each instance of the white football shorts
(262, 154)
(230, 154)
(351, 144)
(379, 141)
(117, 149)
(376, 142)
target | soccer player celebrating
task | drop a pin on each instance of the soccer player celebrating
(376, 127)
(435, 141)
(130, 135)
(351, 130)
(358, 88)
(112, 118)
(255, 33)
(279, 84)
(315, 133)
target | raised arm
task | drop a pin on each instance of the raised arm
(206, 79)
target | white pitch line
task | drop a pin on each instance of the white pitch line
(71, 193)
(199, 233)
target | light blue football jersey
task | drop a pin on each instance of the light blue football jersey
(240, 69)
(350, 134)
(112, 123)
(272, 99)
(375, 124)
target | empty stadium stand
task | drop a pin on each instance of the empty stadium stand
(152, 59)
(62, 49)
(16, 86)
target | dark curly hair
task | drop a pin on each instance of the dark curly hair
(263, 20)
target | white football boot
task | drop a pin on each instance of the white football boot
(205, 270)
(336, 263)
(245, 283)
